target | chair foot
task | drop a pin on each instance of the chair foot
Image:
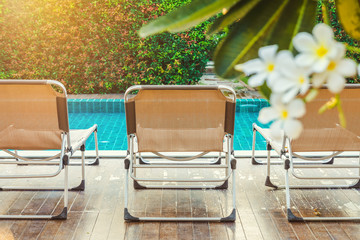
(330, 162)
(218, 162)
(292, 218)
(223, 186)
(96, 162)
(141, 161)
(356, 185)
(137, 185)
(128, 217)
(61, 216)
(80, 187)
(268, 183)
(255, 162)
(230, 218)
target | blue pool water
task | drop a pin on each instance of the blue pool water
(109, 115)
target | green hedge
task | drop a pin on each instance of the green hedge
(341, 35)
(92, 46)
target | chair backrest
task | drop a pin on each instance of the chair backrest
(323, 132)
(33, 114)
(180, 118)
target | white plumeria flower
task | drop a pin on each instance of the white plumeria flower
(284, 116)
(316, 50)
(293, 79)
(263, 68)
(336, 71)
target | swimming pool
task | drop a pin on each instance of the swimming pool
(109, 114)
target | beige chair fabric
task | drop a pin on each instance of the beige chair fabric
(323, 132)
(180, 120)
(41, 106)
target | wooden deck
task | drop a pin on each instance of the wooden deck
(97, 213)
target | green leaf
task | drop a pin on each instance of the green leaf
(237, 12)
(245, 34)
(265, 24)
(349, 15)
(186, 16)
(297, 16)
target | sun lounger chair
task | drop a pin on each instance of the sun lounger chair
(323, 133)
(280, 148)
(179, 119)
(34, 116)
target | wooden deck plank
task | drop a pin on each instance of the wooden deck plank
(51, 227)
(168, 230)
(261, 200)
(97, 213)
(86, 225)
(198, 209)
(298, 230)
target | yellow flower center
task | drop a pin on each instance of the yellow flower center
(284, 114)
(270, 67)
(301, 80)
(331, 66)
(321, 51)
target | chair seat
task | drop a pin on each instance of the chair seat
(180, 140)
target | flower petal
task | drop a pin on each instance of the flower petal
(268, 53)
(296, 108)
(320, 65)
(288, 96)
(285, 63)
(293, 128)
(253, 66)
(305, 86)
(304, 42)
(276, 130)
(272, 78)
(267, 114)
(305, 59)
(282, 84)
(239, 67)
(323, 33)
(257, 79)
(336, 83)
(275, 101)
(318, 79)
(346, 67)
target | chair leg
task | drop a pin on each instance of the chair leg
(290, 215)
(253, 159)
(63, 214)
(97, 159)
(268, 182)
(81, 186)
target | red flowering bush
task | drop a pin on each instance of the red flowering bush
(92, 46)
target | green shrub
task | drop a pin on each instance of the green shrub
(340, 34)
(92, 46)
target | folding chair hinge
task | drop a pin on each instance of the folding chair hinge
(82, 148)
(282, 152)
(268, 146)
(233, 164)
(70, 150)
(287, 164)
(65, 160)
(127, 163)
